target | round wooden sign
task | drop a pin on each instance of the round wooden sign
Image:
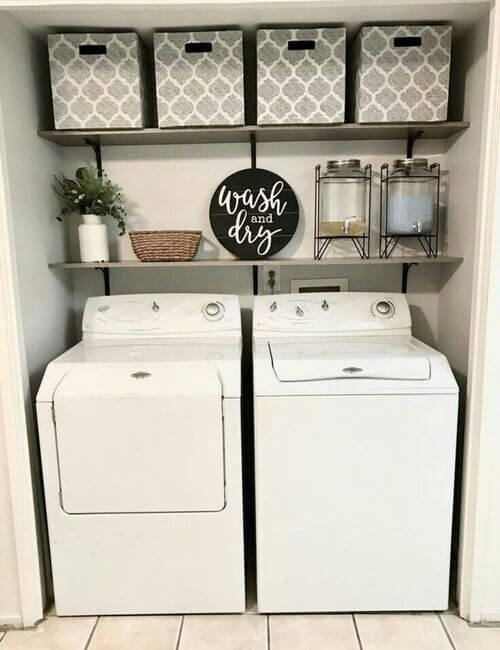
(254, 213)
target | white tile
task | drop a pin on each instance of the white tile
(71, 633)
(467, 637)
(133, 632)
(401, 632)
(224, 632)
(318, 631)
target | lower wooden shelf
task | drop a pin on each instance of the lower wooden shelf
(405, 262)
(299, 261)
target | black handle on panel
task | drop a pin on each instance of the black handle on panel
(196, 48)
(92, 49)
(301, 45)
(407, 41)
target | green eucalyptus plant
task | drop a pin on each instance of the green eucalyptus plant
(89, 193)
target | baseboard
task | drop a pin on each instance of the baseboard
(10, 621)
(490, 617)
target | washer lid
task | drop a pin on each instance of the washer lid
(315, 361)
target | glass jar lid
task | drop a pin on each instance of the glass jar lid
(410, 163)
(348, 163)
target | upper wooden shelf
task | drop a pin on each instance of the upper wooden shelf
(286, 133)
(299, 261)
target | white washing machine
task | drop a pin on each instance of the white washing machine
(141, 449)
(355, 433)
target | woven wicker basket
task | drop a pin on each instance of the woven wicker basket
(165, 245)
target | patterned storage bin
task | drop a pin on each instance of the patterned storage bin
(402, 73)
(96, 81)
(199, 78)
(301, 76)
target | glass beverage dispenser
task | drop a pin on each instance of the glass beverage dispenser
(342, 204)
(411, 197)
(410, 204)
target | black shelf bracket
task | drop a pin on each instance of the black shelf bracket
(98, 154)
(106, 276)
(253, 150)
(404, 275)
(98, 159)
(255, 279)
(411, 142)
(253, 162)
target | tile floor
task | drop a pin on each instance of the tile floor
(255, 632)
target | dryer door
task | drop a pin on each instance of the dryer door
(140, 439)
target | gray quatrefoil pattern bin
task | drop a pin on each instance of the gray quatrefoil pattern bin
(199, 78)
(301, 76)
(96, 81)
(402, 73)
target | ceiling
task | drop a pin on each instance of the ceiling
(146, 17)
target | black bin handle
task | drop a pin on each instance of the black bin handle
(91, 49)
(197, 48)
(299, 45)
(407, 41)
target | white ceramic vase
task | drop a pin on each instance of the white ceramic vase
(93, 236)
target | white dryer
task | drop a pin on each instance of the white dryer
(355, 433)
(141, 449)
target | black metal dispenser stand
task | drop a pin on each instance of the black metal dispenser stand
(322, 242)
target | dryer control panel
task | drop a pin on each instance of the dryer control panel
(161, 316)
(346, 313)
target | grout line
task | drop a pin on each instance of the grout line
(448, 635)
(268, 632)
(181, 627)
(87, 645)
(356, 630)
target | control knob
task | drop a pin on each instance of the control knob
(213, 310)
(383, 309)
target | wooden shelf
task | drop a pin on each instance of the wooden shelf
(286, 133)
(299, 261)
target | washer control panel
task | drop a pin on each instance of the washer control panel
(160, 315)
(344, 312)
(284, 309)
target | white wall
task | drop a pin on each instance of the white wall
(10, 606)
(480, 530)
(171, 187)
(462, 163)
(44, 298)
(490, 435)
